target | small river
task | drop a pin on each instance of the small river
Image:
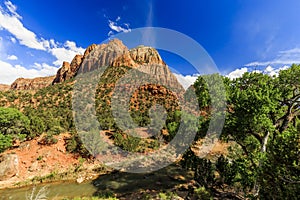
(55, 191)
(118, 183)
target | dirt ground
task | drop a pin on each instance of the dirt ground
(40, 160)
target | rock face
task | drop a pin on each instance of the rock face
(31, 84)
(4, 87)
(9, 165)
(95, 56)
(147, 60)
(139, 55)
(116, 54)
(68, 71)
(103, 55)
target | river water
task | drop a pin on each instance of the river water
(54, 191)
(118, 183)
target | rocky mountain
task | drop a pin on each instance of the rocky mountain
(31, 84)
(94, 57)
(115, 54)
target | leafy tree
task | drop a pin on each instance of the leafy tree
(262, 122)
(261, 109)
(13, 123)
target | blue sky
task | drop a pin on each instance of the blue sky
(239, 35)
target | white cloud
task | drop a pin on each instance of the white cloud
(53, 43)
(237, 73)
(10, 21)
(66, 53)
(116, 28)
(13, 40)
(186, 81)
(12, 8)
(110, 33)
(287, 57)
(11, 73)
(272, 71)
(268, 70)
(12, 57)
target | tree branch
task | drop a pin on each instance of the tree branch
(288, 180)
(257, 136)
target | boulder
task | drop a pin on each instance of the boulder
(9, 166)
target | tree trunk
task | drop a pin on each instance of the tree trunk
(265, 142)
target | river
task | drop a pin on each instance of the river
(54, 191)
(118, 183)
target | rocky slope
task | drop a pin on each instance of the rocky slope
(31, 84)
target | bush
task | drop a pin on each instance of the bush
(202, 193)
(128, 143)
(5, 142)
(48, 140)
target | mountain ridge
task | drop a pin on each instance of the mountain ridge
(114, 54)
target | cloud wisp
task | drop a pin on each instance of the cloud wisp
(149, 36)
(12, 57)
(116, 27)
(287, 57)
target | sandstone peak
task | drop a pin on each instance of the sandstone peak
(141, 55)
(103, 55)
(144, 54)
(89, 49)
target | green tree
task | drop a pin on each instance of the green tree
(262, 122)
(14, 123)
(13, 126)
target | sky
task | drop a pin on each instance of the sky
(239, 35)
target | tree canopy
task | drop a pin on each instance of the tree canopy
(262, 122)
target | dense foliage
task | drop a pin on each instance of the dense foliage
(262, 125)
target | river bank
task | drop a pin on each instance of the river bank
(33, 163)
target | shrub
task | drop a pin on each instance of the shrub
(48, 140)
